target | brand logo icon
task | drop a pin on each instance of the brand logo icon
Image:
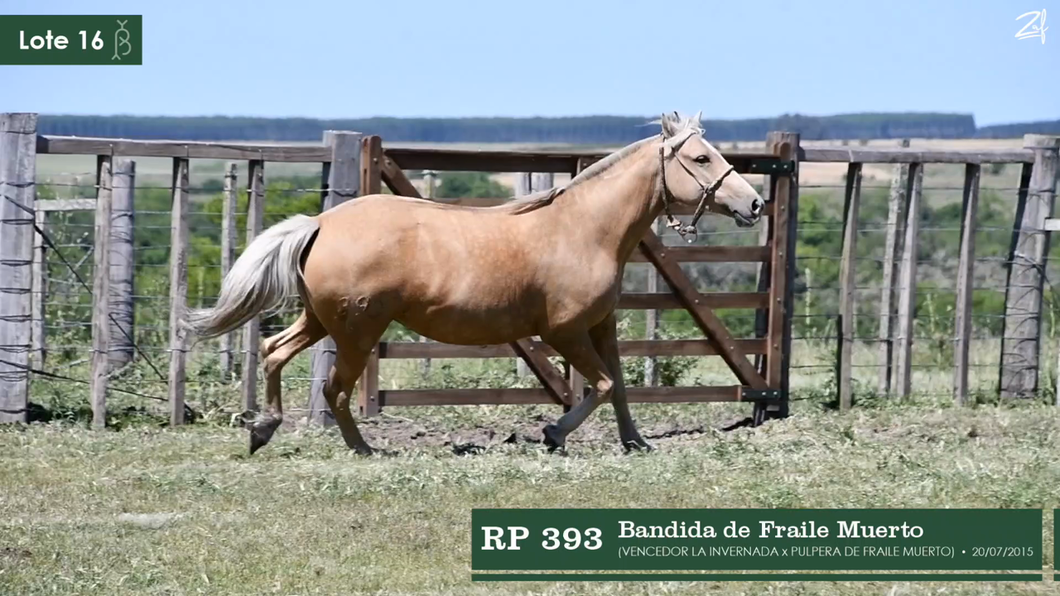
(121, 38)
(1035, 27)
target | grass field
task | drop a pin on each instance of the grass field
(162, 511)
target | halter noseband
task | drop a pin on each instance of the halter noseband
(706, 192)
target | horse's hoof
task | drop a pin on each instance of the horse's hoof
(261, 433)
(553, 439)
(257, 440)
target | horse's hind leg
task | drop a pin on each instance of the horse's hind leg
(338, 392)
(351, 355)
(605, 340)
(276, 352)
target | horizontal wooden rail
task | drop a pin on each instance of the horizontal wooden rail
(667, 347)
(684, 347)
(419, 158)
(848, 155)
(711, 254)
(462, 397)
(409, 158)
(660, 301)
(413, 158)
(54, 145)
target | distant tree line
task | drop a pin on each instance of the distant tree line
(588, 130)
(1016, 130)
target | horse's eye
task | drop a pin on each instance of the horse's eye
(703, 159)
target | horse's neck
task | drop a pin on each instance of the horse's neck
(614, 209)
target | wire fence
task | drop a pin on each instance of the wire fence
(934, 338)
(66, 300)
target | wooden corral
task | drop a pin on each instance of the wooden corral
(355, 165)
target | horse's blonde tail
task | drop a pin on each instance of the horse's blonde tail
(267, 272)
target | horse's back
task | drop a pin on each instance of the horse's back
(443, 271)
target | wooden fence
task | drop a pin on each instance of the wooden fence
(354, 164)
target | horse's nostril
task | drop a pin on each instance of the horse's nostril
(756, 206)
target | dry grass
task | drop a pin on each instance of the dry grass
(150, 510)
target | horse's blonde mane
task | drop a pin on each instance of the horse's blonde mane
(674, 124)
(537, 200)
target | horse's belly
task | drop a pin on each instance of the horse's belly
(460, 325)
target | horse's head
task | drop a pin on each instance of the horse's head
(695, 173)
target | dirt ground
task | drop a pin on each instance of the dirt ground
(399, 433)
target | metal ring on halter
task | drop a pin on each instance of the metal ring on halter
(706, 193)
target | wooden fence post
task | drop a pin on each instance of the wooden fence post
(101, 290)
(178, 289)
(784, 226)
(892, 248)
(18, 171)
(907, 283)
(343, 183)
(371, 184)
(847, 279)
(791, 182)
(1021, 341)
(39, 285)
(252, 330)
(229, 215)
(765, 238)
(965, 277)
(122, 319)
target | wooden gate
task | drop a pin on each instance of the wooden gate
(763, 380)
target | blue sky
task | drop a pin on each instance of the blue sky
(732, 59)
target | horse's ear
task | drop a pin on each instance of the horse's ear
(670, 125)
(697, 119)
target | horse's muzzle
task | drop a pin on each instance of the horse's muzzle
(745, 222)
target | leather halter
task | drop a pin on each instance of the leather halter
(706, 193)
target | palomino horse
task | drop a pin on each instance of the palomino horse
(548, 265)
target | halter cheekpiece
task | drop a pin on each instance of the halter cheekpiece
(706, 193)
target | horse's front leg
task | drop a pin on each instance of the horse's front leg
(605, 340)
(577, 348)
